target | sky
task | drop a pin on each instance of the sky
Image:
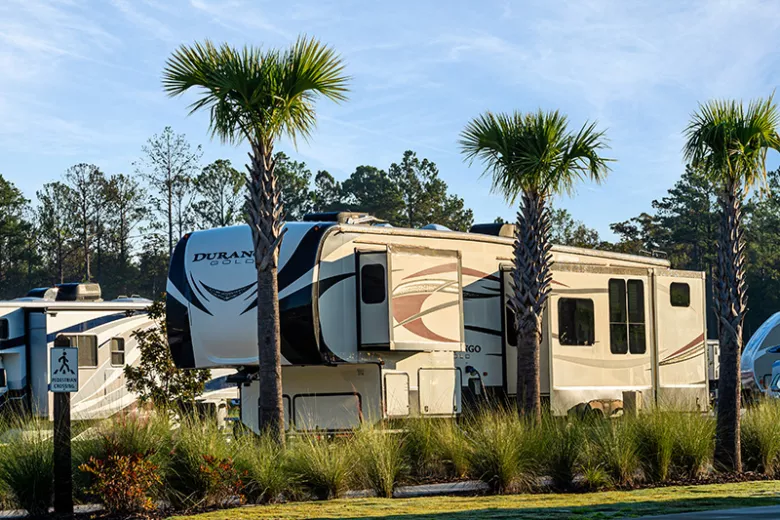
(80, 81)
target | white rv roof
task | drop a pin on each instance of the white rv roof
(81, 306)
(480, 237)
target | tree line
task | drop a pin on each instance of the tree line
(118, 229)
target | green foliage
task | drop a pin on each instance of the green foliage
(263, 463)
(26, 466)
(613, 445)
(123, 483)
(503, 450)
(257, 95)
(761, 437)
(294, 179)
(655, 439)
(155, 378)
(534, 152)
(380, 460)
(322, 467)
(201, 471)
(564, 449)
(566, 231)
(694, 443)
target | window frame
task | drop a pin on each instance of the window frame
(592, 335)
(69, 338)
(363, 285)
(630, 318)
(687, 294)
(111, 351)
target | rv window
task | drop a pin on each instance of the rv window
(117, 352)
(680, 294)
(511, 330)
(575, 322)
(3, 329)
(627, 317)
(372, 283)
(87, 345)
(2, 377)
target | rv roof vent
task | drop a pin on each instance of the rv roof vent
(342, 217)
(495, 229)
(78, 292)
(436, 227)
(44, 293)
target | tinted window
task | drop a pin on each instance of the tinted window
(627, 317)
(680, 294)
(2, 377)
(372, 283)
(3, 328)
(117, 351)
(87, 345)
(575, 322)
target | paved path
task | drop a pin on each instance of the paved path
(757, 513)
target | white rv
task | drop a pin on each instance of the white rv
(382, 322)
(759, 355)
(72, 315)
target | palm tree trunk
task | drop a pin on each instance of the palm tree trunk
(731, 305)
(265, 220)
(531, 281)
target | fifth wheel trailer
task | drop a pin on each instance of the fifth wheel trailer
(382, 322)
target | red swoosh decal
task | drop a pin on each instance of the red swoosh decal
(690, 345)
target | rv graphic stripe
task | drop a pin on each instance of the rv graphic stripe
(303, 258)
(85, 326)
(178, 277)
(226, 296)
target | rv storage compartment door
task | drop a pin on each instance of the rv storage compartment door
(426, 302)
(373, 304)
(439, 391)
(396, 394)
(329, 412)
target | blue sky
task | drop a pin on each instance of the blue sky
(81, 81)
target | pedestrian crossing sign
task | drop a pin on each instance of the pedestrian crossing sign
(64, 370)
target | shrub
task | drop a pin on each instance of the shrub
(264, 464)
(380, 460)
(694, 442)
(123, 483)
(28, 473)
(322, 468)
(502, 450)
(564, 449)
(200, 471)
(655, 438)
(122, 436)
(761, 437)
(613, 447)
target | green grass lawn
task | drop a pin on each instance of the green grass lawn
(590, 506)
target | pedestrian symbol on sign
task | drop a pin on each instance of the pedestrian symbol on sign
(64, 366)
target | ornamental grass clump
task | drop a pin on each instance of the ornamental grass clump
(656, 438)
(421, 449)
(201, 471)
(322, 467)
(503, 450)
(265, 469)
(380, 460)
(761, 437)
(694, 443)
(564, 445)
(26, 465)
(613, 446)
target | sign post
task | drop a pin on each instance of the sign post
(63, 379)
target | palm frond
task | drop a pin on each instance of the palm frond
(254, 94)
(730, 141)
(534, 152)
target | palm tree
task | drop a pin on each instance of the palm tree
(533, 156)
(731, 144)
(260, 96)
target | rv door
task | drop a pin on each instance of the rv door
(373, 301)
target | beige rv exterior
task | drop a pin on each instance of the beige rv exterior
(417, 321)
